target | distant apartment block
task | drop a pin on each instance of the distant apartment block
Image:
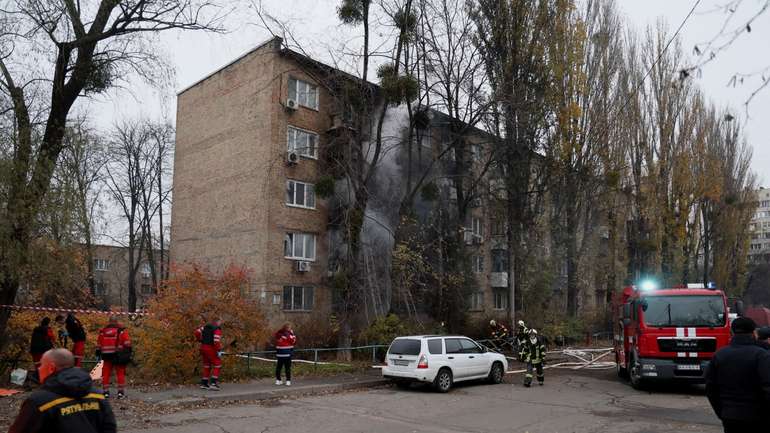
(111, 273)
(759, 249)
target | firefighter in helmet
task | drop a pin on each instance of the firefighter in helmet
(522, 333)
(498, 331)
(534, 356)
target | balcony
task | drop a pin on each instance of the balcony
(498, 279)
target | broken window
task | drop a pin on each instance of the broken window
(299, 246)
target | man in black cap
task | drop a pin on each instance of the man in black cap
(738, 381)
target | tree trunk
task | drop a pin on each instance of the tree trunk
(571, 257)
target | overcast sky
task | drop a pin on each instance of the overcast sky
(194, 55)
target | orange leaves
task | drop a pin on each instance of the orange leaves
(167, 349)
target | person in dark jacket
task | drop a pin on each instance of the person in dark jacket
(284, 347)
(66, 402)
(763, 334)
(42, 341)
(77, 333)
(738, 381)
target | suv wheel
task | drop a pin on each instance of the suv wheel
(496, 373)
(443, 380)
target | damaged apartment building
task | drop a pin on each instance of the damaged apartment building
(252, 138)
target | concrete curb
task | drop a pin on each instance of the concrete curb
(278, 392)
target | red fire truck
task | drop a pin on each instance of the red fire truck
(668, 334)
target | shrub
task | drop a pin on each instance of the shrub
(20, 327)
(166, 348)
(384, 329)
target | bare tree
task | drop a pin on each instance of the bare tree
(68, 49)
(83, 161)
(132, 176)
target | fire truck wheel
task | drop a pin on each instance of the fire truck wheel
(635, 374)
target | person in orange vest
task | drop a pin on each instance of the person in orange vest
(42, 340)
(114, 348)
(284, 346)
(210, 338)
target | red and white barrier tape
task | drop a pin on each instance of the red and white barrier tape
(74, 310)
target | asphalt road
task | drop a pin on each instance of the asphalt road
(586, 402)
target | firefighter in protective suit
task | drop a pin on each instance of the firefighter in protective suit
(534, 356)
(498, 331)
(522, 333)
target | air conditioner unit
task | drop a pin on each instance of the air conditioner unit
(303, 266)
(292, 158)
(291, 104)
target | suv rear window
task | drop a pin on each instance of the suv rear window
(405, 346)
(435, 346)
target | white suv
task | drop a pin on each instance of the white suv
(441, 360)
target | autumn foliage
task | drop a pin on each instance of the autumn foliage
(166, 348)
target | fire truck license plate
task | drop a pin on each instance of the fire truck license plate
(688, 367)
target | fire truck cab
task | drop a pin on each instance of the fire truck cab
(668, 334)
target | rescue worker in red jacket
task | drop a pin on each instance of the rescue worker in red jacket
(113, 342)
(210, 338)
(42, 340)
(284, 346)
(77, 333)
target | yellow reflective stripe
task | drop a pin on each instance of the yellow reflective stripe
(61, 400)
(53, 403)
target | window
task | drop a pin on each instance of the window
(498, 227)
(469, 346)
(101, 264)
(298, 298)
(148, 289)
(304, 93)
(300, 194)
(766, 225)
(501, 299)
(476, 152)
(100, 288)
(478, 264)
(476, 301)
(405, 346)
(276, 299)
(305, 143)
(476, 227)
(435, 347)
(499, 260)
(453, 345)
(145, 270)
(299, 246)
(764, 203)
(755, 247)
